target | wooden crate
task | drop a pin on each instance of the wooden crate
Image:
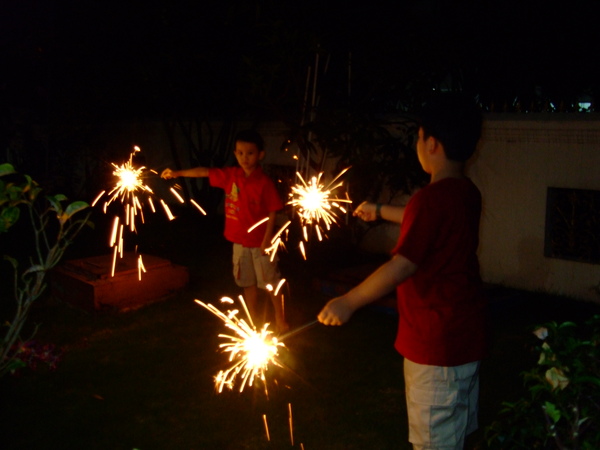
(88, 283)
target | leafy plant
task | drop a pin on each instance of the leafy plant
(50, 238)
(562, 408)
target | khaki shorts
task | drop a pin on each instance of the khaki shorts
(442, 404)
(251, 267)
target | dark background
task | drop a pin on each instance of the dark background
(92, 59)
(71, 70)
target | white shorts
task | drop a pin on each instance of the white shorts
(251, 267)
(442, 404)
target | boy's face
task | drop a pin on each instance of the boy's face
(422, 150)
(248, 155)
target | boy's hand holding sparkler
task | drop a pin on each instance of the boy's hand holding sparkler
(376, 211)
(381, 282)
(366, 211)
(195, 172)
(336, 312)
(167, 174)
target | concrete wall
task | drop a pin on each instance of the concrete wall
(519, 158)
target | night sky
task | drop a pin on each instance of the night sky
(151, 58)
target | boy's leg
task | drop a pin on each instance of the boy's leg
(441, 403)
(251, 298)
(281, 324)
(243, 273)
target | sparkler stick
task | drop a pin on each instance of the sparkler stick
(295, 331)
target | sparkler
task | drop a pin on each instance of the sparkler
(252, 351)
(316, 207)
(314, 204)
(129, 188)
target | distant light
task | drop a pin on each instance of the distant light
(584, 106)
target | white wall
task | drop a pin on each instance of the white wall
(519, 158)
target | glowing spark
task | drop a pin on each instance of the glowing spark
(141, 267)
(167, 209)
(112, 272)
(98, 198)
(291, 424)
(193, 202)
(276, 241)
(276, 291)
(260, 222)
(176, 194)
(113, 236)
(252, 351)
(266, 427)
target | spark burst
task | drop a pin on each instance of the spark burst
(252, 351)
(315, 205)
(129, 188)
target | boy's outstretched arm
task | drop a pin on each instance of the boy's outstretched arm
(196, 172)
(368, 212)
(384, 280)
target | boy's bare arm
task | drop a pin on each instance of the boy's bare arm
(196, 172)
(368, 212)
(381, 282)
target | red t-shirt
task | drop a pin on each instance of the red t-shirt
(442, 306)
(248, 200)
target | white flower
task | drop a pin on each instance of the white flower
(541, 333)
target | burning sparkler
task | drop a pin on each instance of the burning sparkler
(253, 350)
(129, 188)
(315, 206)
(313, 202)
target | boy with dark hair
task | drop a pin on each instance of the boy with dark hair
(250, 196)
(435, 271)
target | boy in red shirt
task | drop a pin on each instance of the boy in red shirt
(250, 196)
(435, 271)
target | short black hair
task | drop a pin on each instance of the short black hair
(251, 136)
(455, 120)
